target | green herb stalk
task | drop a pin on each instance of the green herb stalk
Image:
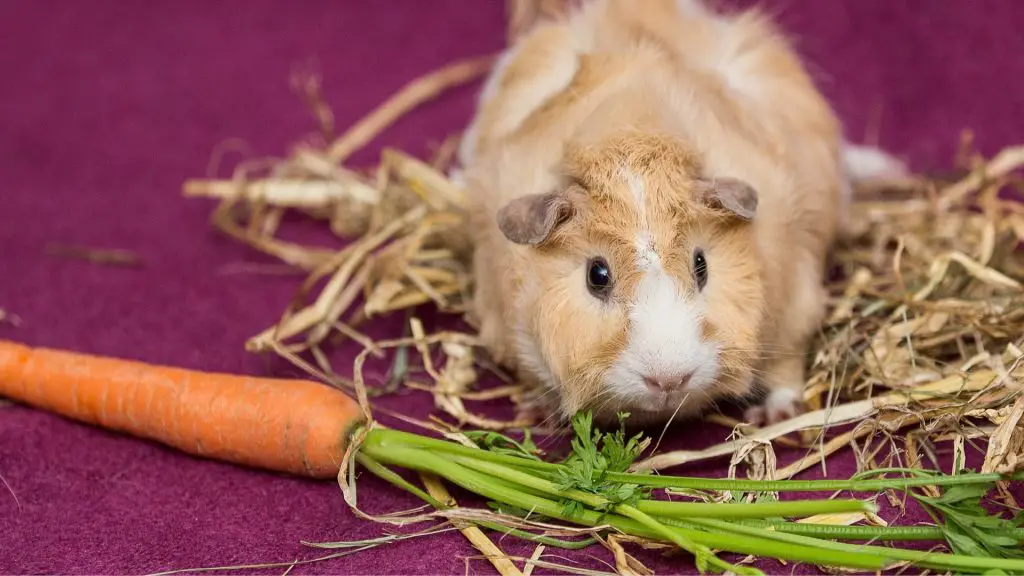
(484, 485)
(593, 487)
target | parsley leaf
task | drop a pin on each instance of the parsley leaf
(501, 444)
(968, 527)
(593, 455)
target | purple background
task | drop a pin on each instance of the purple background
(108, 106)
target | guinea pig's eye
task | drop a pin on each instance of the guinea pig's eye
(700, 268)
(599, 277)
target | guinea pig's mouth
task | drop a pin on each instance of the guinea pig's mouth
(649, 407)
(667, 400)
(650, 394)
(658, 401)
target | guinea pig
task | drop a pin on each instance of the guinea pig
(654, 187)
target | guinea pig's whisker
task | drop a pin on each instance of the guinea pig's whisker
(759, 347)
(764, 346)
(605, 396)
(780, 353)
(710, 402)
(547, 393)
(669, 422)
(603, 400)
(551, 417)
(549, 440)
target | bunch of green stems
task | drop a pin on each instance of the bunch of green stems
(760, 529)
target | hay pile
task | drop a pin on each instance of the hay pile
(922, 344)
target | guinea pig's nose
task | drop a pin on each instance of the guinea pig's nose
(666, 382)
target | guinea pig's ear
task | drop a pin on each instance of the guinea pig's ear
(529, 220)
(730, 194)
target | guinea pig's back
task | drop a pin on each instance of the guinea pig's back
(729, 84)
(743, 53)
(740, 94)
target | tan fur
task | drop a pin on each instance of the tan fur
(674, 96)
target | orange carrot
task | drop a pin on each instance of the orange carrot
(294, 426)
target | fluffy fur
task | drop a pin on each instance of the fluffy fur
(630, 118)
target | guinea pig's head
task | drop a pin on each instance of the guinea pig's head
(640, 288)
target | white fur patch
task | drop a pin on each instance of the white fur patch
(691, 7)
(862, 163)
(646, 254)
(636, 186)
(664, 339)
(647, 257)
(781, 403)
(457, 177)
(868, 162)
(781, 400)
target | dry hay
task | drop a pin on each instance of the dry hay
(923, 340)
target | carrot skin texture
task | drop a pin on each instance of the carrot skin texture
(293, 426)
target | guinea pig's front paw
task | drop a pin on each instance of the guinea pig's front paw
(780, 404)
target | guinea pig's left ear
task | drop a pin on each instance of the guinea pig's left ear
(730, 194)
(530, 219)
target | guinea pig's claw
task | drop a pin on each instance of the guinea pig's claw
(781, 404)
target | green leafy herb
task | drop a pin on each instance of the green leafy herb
(501, 444)
(619, 452)
(968, 527)
(595, 454)
(591, 488)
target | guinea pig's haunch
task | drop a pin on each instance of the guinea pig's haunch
(654, 188)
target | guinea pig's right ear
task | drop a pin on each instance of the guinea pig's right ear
(529, 220)
(732, 195)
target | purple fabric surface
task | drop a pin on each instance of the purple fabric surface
(109, 106)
